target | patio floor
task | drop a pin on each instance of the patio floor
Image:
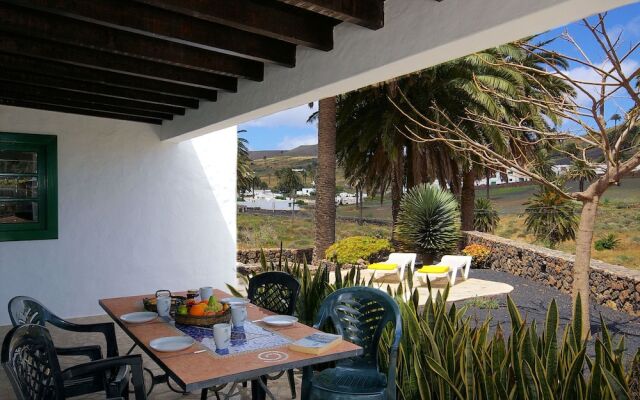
(532, 298)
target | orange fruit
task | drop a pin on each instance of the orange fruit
(197, 310)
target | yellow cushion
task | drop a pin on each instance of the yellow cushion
(383, 266)
(434, 269)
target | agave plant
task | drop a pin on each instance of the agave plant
(429, 221)
(485, 217)
(551, 218)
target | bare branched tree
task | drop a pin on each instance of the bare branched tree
(612, 151)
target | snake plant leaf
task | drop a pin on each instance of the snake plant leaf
(570, 385)
(618, 390)
(546, 393)
(606, 338)
(594, 391)
(530, 381)
(434, 366)
(577, 319)
(551, 324)
(516, 319)
(469, 376)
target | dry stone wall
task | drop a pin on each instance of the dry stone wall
(612, 285)
(252, 256)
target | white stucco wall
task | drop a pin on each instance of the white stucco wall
(135, 214)
(417, 34)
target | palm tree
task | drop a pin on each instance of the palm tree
(551, 218)
(615, 118)
(244, 173)
(325, 211)
(581, 171)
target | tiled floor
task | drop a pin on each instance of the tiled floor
(280, 387)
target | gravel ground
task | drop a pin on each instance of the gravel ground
(533, 299)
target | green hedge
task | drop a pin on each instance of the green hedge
(351, 249)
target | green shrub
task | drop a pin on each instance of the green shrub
(351, 249)
(429, 221)
(485, 217)
(608, 242)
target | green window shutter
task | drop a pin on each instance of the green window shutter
(28, 187)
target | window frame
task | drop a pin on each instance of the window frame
(46, 147)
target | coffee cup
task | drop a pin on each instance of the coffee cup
(222, 337)
(205, 293)
(163, 305)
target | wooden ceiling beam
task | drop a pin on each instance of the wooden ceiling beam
(39, 48)
(43, 99)
(106, 78)
(19, 87)
(156, 22)
(73, 110)
(70, 31)
(367, 13)
(283, 23)
(34, 78)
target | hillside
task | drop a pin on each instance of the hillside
(310, 150)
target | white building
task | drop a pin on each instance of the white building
(306, 192)
(498, 178)
(145, 131)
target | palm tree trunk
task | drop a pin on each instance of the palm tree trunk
(467, 199)
(361, 206)
(488, 184)
(326, 178)
(582, 263)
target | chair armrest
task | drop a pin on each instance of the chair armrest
(106, 328)
(94, 352)
(109, 364)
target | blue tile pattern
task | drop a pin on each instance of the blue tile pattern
(249, 338)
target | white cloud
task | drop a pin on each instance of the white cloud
(586, 74)
(291, 142)
(294, 118)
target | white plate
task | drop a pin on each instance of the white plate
(280, 320)
(172, 343)
(234, 300)
(139, 317)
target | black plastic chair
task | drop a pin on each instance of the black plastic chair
(277, 292)
(26, 310)
(360, 315)
(31, 362)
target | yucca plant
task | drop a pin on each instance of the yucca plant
(551, 218)
(485, 217)
(429, 221)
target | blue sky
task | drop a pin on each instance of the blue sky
(288, 129)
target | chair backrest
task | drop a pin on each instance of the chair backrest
(403, 258)
(29, 359)
(275, 291)
(26, 310)
(455, 261)
(360, 314)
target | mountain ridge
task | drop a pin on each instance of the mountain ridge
(306, 150)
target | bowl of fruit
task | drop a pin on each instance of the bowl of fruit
(150, 303)
(205, 313)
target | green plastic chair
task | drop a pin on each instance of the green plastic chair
(360, 315)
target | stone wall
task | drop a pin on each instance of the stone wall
(611, 285)
(252, 256)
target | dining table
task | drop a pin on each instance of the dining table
(200, 368)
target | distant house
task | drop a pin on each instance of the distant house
(306, 192)
(345, 198)
(499, 178)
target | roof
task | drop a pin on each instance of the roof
(150, 60)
